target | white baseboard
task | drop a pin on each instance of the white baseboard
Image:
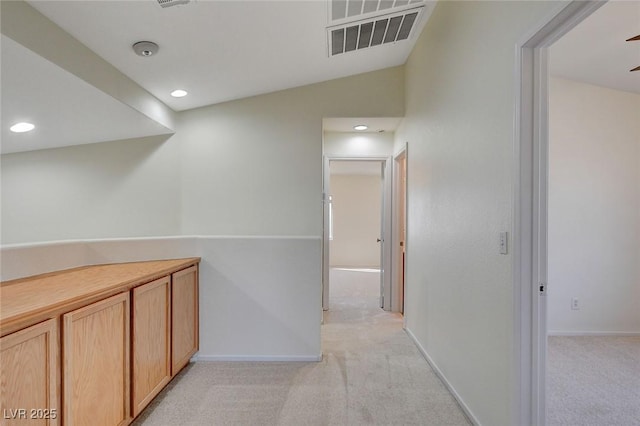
(594, 333)
(258, 358)
(444, 380)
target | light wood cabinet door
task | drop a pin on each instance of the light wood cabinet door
(151, 349)
(29, 372)
(96, 364)
(184, 313)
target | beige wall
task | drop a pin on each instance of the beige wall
(594, 207)
(231, 169)
(356, 220)
(254, 166)
(128, 188)
(459, 128)
(19, 20)
(352, 144)
(243, 177)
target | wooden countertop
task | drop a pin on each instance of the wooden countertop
(28, 301)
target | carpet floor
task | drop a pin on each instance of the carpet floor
(593, 381)
(371, 374)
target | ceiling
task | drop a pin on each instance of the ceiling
(224, 50)
(216, 50)
(66, 110)
(596, 52)
(221, 50)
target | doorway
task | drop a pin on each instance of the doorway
(593, 316)
(399, 229)
(357, 221)
(530, 229)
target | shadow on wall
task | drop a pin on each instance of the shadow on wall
(119, 188)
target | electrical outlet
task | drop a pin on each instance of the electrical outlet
(575, 305)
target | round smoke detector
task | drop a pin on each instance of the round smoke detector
(145, 48)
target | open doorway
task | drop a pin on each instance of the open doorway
(593, 298)
(373, 144)
(358, 223)
(536, 221)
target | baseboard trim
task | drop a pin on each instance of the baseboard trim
(258, 358)
(593, 333)
(465, 409)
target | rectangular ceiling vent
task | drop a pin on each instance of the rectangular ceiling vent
(169, 3)
(373, 32)
(341, 10)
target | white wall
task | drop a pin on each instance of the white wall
(260, 298)
(22, 260)
(268, 311)
(594, 208)
(254, 166)
(358, 144)
(54, 44)
(357, 201)
(127, 188)
(459, 126)
(244, 177)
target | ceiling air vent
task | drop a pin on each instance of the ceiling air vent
(374, 32)
(169, 3)
(352, 9)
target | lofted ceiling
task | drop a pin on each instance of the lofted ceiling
(216, 50)
(223, 50)
(66, 110)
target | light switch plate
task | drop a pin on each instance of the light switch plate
(504, 237)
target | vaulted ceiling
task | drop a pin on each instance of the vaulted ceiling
(224, 50)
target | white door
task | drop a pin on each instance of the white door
(381, 237)
(385, 236)
(325, 232)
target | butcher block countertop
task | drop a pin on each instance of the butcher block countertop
(28, 301)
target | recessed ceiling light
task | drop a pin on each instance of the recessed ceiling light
(360, 127)
(179, 93)
(22, 127)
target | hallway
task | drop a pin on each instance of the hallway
(371, 373)
(386, 379)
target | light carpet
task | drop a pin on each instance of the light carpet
(593, 381)
(371, 374)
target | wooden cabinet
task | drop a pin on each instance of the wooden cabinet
(151, 341)
(29, 374)
(94, 345)
(96, 363)
(184, 314)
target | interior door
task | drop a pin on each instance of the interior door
(325, 233)
(402, 225)
(381, 238)
(385, 235)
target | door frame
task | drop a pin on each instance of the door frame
(399, 212)
(530, 208)
(386, 268)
